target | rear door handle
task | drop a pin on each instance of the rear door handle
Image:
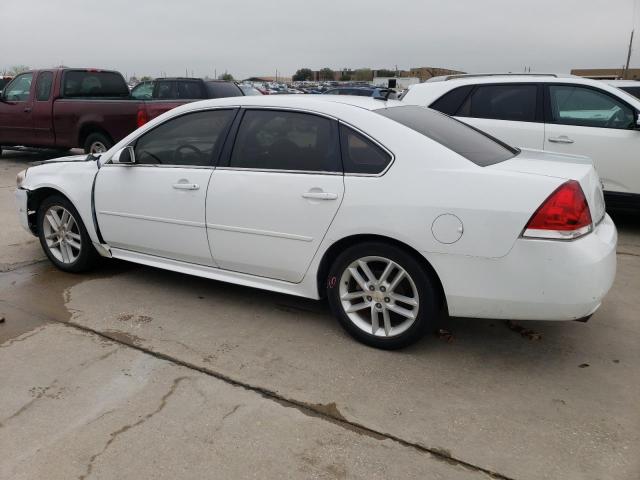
(186, 186)
(320, 195)
(560, 139)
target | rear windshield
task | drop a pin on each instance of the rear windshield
(476, 146)
(78, 83)
(223, 89)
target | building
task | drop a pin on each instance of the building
(607, 73)
(425, 73)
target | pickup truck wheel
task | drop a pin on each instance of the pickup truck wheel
(64, 237)
(97, 143)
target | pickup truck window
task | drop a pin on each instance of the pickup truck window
(88, 83)
(18, 90)
(189, 90)
(43, 86)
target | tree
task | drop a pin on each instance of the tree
(385, 73)
(17, 69)
(326, 74)
(363, 75)
(345, 76)
(145, 78)
(303, 74)
(226, 76)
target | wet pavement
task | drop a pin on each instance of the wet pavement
(133, 372)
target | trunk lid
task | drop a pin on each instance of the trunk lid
(563, 166)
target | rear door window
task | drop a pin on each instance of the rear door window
(279, 140)
(515, 102)
(89, 83)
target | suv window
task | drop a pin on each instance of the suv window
(635, 91)
(18, 90)
(502, 102)
(193, 139)
(143, 91)
(361, 155)
(467, 141)
(451, 102)
(165, 89)
(588, 107)
(222, 90)
(278, 140)
(43, 86)
(81, 83)
(189, 90)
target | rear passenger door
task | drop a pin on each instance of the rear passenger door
(275, 193)
(511, 112)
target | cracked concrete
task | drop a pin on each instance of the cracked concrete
(273, 388)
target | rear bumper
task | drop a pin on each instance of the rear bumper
(21, 204)
(537, 280)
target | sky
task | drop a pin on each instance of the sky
(256, 38)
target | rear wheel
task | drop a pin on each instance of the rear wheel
(97, 143)
(63, 236)
(382, 295)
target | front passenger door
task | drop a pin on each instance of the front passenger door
(157, 205)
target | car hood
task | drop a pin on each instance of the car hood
(70, 158)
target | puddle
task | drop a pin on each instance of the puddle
(35, 294)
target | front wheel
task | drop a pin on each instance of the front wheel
(382, 295)
(63, 236)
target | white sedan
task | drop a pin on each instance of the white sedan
(394, 212)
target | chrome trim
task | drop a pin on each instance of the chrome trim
(275, 170)
(265, 233)
(153, 219)
(145, 165)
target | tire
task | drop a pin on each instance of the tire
(405, 307)
(65, 254)
(97, 143)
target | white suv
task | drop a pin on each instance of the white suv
(549, 112)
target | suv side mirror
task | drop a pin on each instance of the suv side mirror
(126, 156)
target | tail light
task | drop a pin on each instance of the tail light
(563, 215)
(142, 117)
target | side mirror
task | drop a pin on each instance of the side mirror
(126, 156)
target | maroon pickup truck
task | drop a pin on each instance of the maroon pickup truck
(68, 108)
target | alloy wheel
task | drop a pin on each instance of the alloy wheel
(62, 234)
(379, 296)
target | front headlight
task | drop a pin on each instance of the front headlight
(20, 178)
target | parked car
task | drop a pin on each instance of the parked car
(66, 108)
(249, 90)
(4, 81)
(363, 92)
(629, 86)
(89, 108)
(170, 92)
(550, 112)
(392, 211)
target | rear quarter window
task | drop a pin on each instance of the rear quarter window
(474, 145)
(223, 90)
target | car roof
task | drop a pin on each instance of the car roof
(622, 83)
(320, 102)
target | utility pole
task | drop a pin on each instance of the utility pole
(626, 68)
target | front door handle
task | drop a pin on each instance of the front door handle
(560, 139)
(320, 195)
(186, 186)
